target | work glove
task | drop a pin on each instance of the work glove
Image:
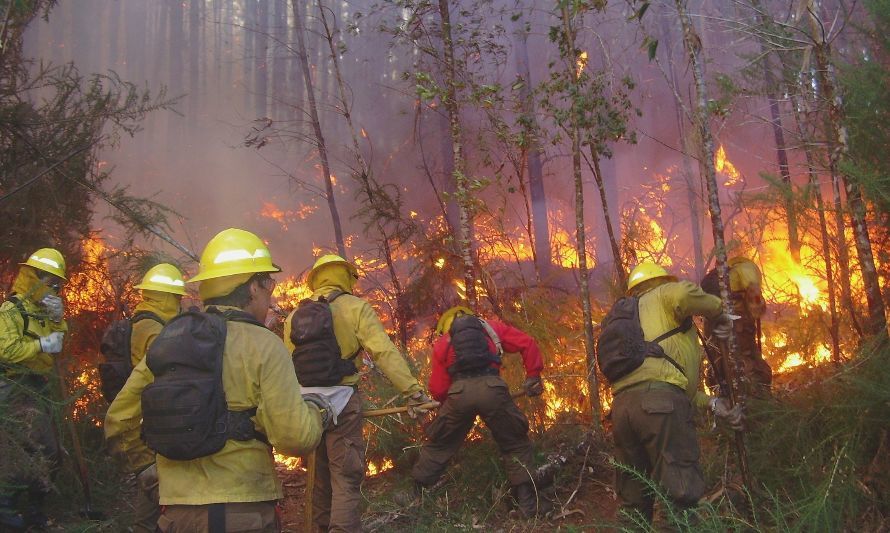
(147, 479)
(54, 306)
(723, 326)
(732, 415)
(325, 409)
(533, 386)
(52, 343)
(418, 404)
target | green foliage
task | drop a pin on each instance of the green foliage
(865, 85)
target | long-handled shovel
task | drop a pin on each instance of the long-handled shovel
(87, 511)
(310, 459)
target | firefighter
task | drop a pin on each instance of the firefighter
(340, 458)
(465, 377)
(745, 285)
(652, 410)
(162, 289)
(31, 334)
(236, 487)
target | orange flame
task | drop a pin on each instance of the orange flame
(580, 63)
(725, 166)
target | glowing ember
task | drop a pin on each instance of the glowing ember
(374, 469)
(580, 63)
(288, 463)
(440, 263)
(726, 167)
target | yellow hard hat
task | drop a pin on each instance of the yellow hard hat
(48, 260)
(234, 251)
(330, 259)
(644, 272)
(163, 278)
(444, 323)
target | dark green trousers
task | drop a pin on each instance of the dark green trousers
(655, 435)
(489, 398)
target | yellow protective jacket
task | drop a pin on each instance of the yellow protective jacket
(356, 327)
(257, 371)
(162, 304)
(22, 322)
(662, 309)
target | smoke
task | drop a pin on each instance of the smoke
(237, 75)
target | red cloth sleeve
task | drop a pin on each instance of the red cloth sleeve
(515, 340)
(440, 379)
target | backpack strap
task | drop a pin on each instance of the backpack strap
(240, 425)
(330, 299)
(684, 326)
(493, 335)
(235, 315)
(26, 316)
(142, 315)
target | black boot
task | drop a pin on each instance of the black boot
(34, 515)
(530, 502)
(410, 497)
(10, 518)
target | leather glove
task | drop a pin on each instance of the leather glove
(417, 404)
(324, 407)
(732, 415)
(147, 479)
(533, 387)
(723, 326)
(52, 343)
(54, 306)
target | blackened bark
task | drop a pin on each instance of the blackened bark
(300, 31)
(535, 164)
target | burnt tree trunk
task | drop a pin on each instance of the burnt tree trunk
(772, 96)
(535, 164)
(613, 241)
(465, 239)
(300, 31)
(363, 173)
(837, 146)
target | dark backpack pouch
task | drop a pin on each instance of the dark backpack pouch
(317, 358)
(621, 347)
(184, 412)
(116, 350)
(469, 339)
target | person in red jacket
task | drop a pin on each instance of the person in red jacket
(466, 378)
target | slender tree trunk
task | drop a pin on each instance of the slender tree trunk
(316, 126)
(772, 90)
(834, 327)
(363, 173)
(250, 9)
(693, 46)
(176, 70)
(837, 145)
(279, 65)
(613, 242)
(535, 164)
(194, 64)
(261, 63)
(580, 233)
(460, 176)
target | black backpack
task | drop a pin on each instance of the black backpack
(116, 349)
(621, 347)
(469, 337)
(184, 411)
(317, 357)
